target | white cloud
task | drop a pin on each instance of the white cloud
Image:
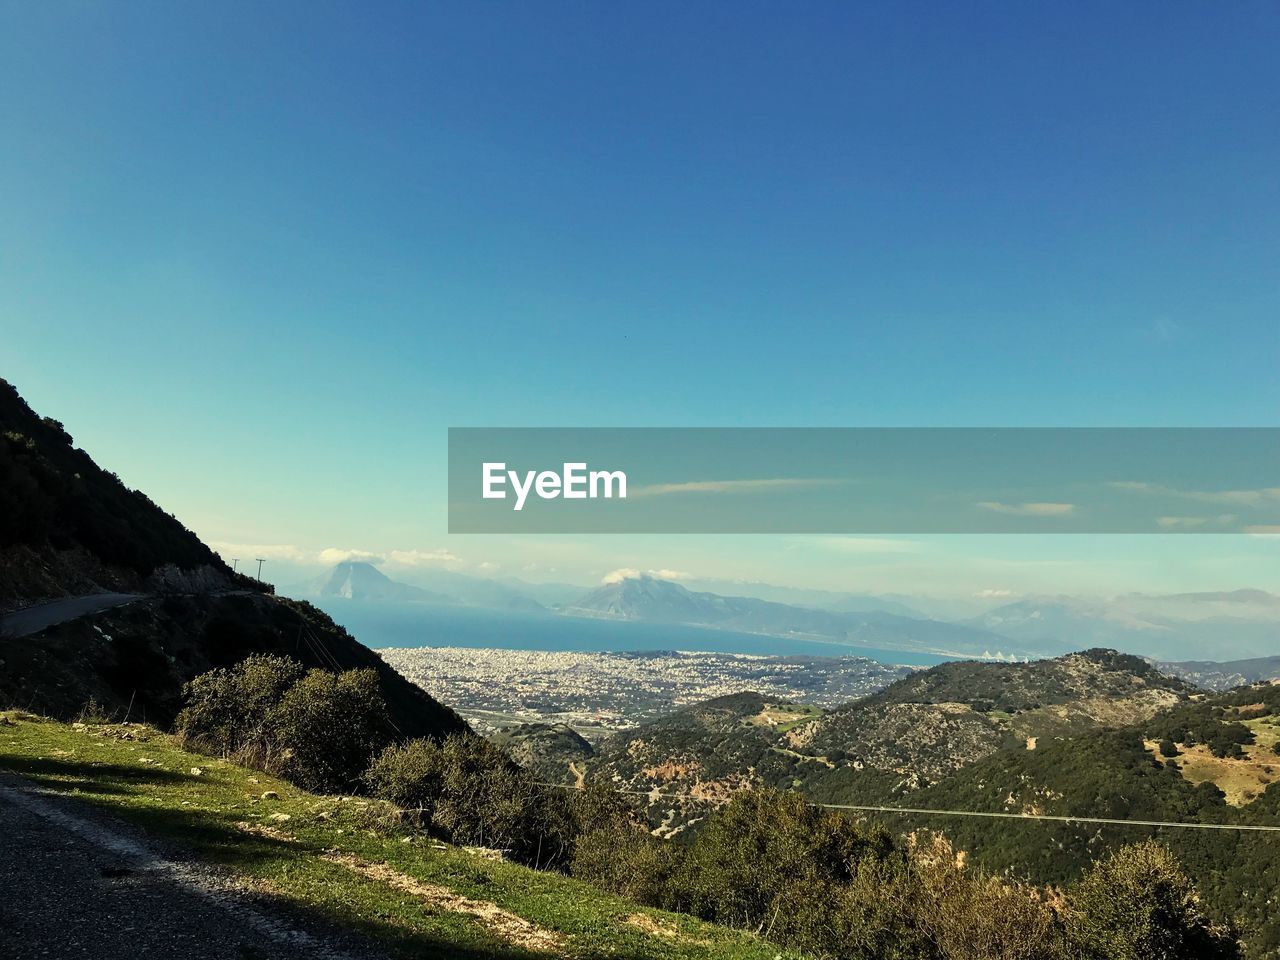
(994, 594)
(617, 576)
(668, 574)
(733, 486)
(1035, 509)
(631, 573)
(1246, 498)
(422, 558)
(1174, 523)
(331, 555)
(863, 544)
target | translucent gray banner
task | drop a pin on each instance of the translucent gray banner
(872, 481)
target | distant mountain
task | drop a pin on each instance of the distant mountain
(834, 600)
(477, 591)
(357, 580)
(1243, 623)
(549, 594)
(1212, 675)
(663, 601)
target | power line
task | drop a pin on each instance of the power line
(1254, 827)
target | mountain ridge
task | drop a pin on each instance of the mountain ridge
(656, 600)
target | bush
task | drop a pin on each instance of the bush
(317, 728)
(227, 711)
(819, 882)
(627, 860)
(1168, 748)
(328, 726)
(472, 793)
(971, 916)
(1137, 904)
(409, 775)
(761, 843)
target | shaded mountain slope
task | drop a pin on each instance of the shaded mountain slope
(68, 527)
(136, 658)
(66, 523)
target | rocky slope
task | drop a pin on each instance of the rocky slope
(918, 731)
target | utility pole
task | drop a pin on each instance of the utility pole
(261, 561)
(234, 561)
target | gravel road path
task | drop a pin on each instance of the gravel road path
(79, 885)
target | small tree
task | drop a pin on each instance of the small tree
(1137, 904)
(761, 843)
(410, 775)
(626, 859)
(330, 725)
(229, 710)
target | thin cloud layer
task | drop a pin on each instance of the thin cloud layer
(735, 486)
(1034, 509)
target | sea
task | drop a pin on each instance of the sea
(387, 624)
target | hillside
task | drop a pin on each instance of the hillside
(554, 751)
(68, 528)
(917, 731)
(346, 865)
(1122, 774)
(655, 600)
(707, 752)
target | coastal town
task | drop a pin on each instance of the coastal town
(600, 693)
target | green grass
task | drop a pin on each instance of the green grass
(146, 778)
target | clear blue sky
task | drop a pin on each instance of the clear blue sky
(259, 257)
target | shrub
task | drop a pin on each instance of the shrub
(473, 793)
(409, 775)
(766, 851)
(873, 917)
(625, 859)
(328, 726)
(599, 807)
(1168, 748)
(227, 710)
(972, 916)
(1138, 904)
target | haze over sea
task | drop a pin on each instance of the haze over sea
(387, 624)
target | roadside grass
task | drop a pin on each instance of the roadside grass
(298, 847)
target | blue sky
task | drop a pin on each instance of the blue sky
(259, 259)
